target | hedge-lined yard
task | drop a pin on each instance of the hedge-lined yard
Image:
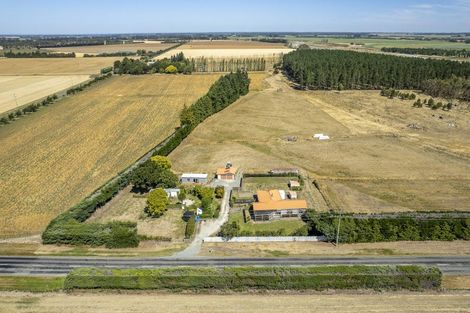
(69, 227)
(263, 278)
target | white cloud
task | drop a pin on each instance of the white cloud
(431, 16)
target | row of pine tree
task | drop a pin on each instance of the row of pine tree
(330, 69)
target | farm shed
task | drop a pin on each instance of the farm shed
(271, 205)
(193, 178)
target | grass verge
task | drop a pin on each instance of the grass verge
(31, 283)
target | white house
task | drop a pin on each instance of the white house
(194, 178)
(172, 192)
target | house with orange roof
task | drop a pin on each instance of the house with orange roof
(274, 204)
(226, 173)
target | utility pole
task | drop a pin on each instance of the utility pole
(16, 100)
(337, 233)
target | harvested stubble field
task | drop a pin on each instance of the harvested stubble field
(243, 302)
(133, 47)
(231, 44)
(52, 159)
(16, 91)
(373, 163)
(228, 49)
(54, 66)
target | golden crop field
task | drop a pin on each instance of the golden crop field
(374, 161)
(54, 66)
(227, 52)
(133, 47)
(228, 49)
(231, 44)
(16, 91)
(53, 158)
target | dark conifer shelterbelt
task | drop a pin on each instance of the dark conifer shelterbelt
(329, 69)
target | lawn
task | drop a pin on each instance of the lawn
(266, 183)
(128, 206)
(289, 225)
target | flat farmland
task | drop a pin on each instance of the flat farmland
(381, 43)
(52, 159)
(402, 302)
(133, 47)
(54, 66)
(373, 163)
(16, 91)
(228, 49)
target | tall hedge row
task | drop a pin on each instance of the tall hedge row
(263, 278)
(225, 91)
(69, 227)
(401, 228)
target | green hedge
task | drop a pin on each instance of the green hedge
(397, 228)
(190, 228)
(264, 278)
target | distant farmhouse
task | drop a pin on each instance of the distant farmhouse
(276, 204)
(192, 178)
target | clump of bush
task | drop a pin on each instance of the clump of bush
(392, 93)
(261, 278)
(157, 202)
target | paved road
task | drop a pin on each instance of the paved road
(207, 228)
(459, 265)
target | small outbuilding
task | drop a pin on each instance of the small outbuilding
(194, 178)
(293, 195)
(294, 184)
(172, 192)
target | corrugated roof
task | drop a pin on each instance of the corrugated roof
(272, 200)
(280, 205)
(224, 170)
(193, 175)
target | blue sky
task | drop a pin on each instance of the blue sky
(141, 16)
